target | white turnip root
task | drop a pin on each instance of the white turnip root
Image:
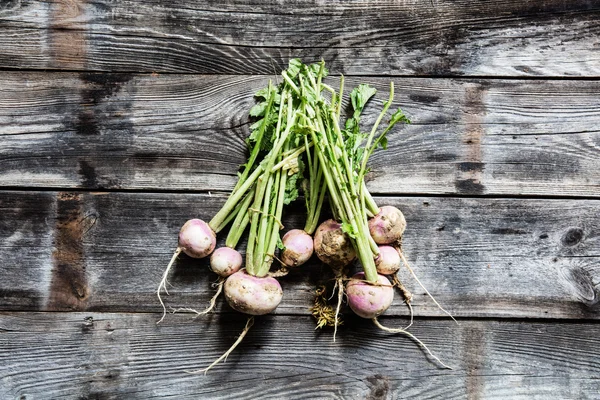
(197, 240)
(388, 260)
(252, 295)
(333, 246)
(298, 248)
(369, 300)
(410, 335)
(387, 226)
(225, 261)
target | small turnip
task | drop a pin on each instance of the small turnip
(225, 261)
(333, 246)
(387, 226)
(388, 260)
(197, 239)
(252, 295)
(369, 300)
(298, 248)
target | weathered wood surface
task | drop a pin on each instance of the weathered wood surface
(115, 356)
(480, 257)
(105, 104)
(425, 37)
(178, 132)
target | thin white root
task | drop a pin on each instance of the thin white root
(411, 315)
(211, 305)
(407, 298)
(410, 335)
(249, 324)
(163, 283)
(405, 261)
(340, 287)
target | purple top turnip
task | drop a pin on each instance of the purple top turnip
(252, 295)
(298, 248)
(332, 245)
(369, 300)
(388, 260)
(225, 261)
(387, 226)
(197, 239)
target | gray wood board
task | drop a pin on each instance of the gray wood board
(178, 132)
(74, 251)
(442, 37)
(115, 356)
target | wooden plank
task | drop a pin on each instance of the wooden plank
(442, 37)
(111, 356)
(178, 132)
(479, 257)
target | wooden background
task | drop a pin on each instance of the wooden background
(119, 120)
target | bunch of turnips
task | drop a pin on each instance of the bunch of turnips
(299, 146)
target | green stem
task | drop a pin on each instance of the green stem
(259, 138)
(264, 222)
(313, 215)
(233, 199)
(275, 228)
(240, 223)
(340, 96)
(386, 106)
(231, 216)
(288, 159)
(371, 205)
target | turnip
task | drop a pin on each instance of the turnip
(367, 299)
(333, 246)
(252, 295)
(340, 157)
(387, 226)
(197, 240)
(251, 290)
(225, 261)
(388, 260)
(298, 248)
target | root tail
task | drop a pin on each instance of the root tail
(339, 283)
(407, 297)
(249, 324)
(212, 303)
(413, 337)
(163, 283)
(405, 261)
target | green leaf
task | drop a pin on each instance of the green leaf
(315, 68)
(263, 93)
(399, 116)
(294, 67)
(280, 245)
(258, 110)
(293, 183)
(383, 142)
(360, 96)
(348, 230)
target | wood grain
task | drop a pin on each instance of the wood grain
(179, 132)
(442, 37)
(479, 257)
(111, 356)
